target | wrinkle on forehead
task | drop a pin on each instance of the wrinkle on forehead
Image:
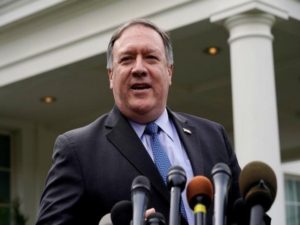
(139, 36)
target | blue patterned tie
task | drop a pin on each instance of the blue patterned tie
(161, 159)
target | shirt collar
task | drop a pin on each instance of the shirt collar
(165, 124)
(162, 121)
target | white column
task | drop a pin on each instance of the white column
(254, 97)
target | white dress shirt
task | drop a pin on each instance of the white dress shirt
(171, 143)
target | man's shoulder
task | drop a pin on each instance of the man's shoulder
(89, 129)
(193, 119)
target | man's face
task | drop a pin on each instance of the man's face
(140, 75)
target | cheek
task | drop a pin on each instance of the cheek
(117, 83)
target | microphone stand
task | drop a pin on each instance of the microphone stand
(199, 213)
(175, 211)
(257, 215)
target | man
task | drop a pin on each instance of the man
(94, 166)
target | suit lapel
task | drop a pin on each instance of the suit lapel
(188, 136)
(123, 137)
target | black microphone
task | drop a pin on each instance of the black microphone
(121, 213)
(258, 186)
(156, 219)
(176, 181)
(140, 190)
(199, 194)
(221, 175)
(241, 212)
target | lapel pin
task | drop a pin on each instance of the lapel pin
(187, 131)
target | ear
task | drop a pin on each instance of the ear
(170, 73)
(110, 77)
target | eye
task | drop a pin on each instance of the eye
(152, 58)
(125, 59)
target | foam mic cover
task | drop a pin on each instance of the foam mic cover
(241, 212)
(199, 190)
(106, 220)
(121, 213)
(258, 184)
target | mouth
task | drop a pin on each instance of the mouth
(140, 87)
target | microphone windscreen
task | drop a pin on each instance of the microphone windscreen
(121, 213)
(258, 184)
(141, 182)
(199, 190)
(106, 220)
(241, 212)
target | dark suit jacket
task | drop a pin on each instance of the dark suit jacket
(94, 166)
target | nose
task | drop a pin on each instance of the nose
(139, 68)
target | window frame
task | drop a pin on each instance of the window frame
(295, 203)
(10, 170)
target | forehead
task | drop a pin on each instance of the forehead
(139, 35)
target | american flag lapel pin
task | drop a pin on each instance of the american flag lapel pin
(187, 131)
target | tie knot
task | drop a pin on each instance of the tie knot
(151, 128)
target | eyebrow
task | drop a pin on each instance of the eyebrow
(145, 52)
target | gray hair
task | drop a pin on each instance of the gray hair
(117, 34)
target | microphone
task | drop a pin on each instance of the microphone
(121, 213)
(176, 180)
(241, 212)
(258, 186)
(105, 220)
(140, 190)
(221, 175)
(199, 194)
(156, 219)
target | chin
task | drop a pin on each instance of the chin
(142, 109)
(152, 112)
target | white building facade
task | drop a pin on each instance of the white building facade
(57, 48)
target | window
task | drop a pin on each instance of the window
(5, 178)
(292, 199)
